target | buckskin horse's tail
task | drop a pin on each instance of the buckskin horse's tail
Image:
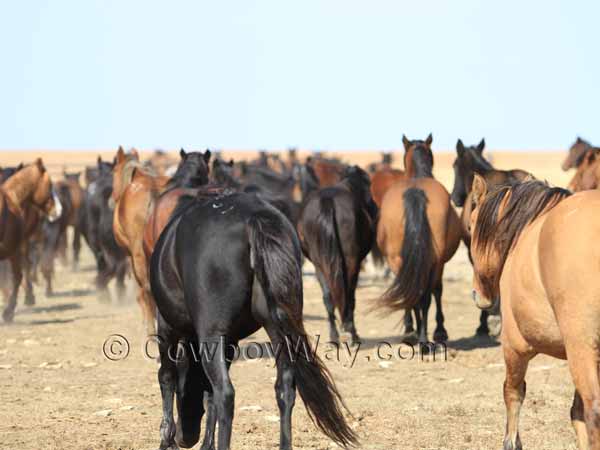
(275, 258)
(412, 281)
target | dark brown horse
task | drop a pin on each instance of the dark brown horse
(418, 232)
(576, 154)
(27, 193)
(470, 161)
(336, 230)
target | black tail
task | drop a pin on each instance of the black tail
(376, 254)
(328, 255)
(417, 255)
(275, 257)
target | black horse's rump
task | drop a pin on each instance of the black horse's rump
(224, 266)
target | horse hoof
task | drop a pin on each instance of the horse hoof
(482, 331)
(440, 336)
(410, 337)
(8, 316)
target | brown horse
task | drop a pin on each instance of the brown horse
(382, 180)
(531, 248)
(418, 232)
(329, 172)
(24, 198)
(135, 192)
(576, 154)
(587, 175)
(77, 196)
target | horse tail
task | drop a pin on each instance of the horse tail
(329, 256)
(376, 253)
(276, 261)
(413, 279)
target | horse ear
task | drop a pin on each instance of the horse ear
(120, 155)
(230, 163)
(406, 142)
(207, 156)
(479, 189)
(429, 140)
(40, 164)
(20, 166)
(481, 146)
(460, 147)
(182, 153)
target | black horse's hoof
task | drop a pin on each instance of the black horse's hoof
(482, 331)
(440, 336)
(410, 337)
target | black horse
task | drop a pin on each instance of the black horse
(469, 161)
(96, 220)
(337, 231)
(225, 266)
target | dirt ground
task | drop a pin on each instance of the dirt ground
(59, 391)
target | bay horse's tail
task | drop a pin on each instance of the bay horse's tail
(413, 279)
(329, 255)
(275, 258)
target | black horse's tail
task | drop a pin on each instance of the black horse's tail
(328, 253)
(275, 258)
(376, 253)
(417, 255)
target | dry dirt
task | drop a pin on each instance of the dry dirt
(56, 385)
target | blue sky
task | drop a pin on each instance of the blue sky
(327, 74)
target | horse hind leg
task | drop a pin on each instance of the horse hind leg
(28, 263)
(348, 316)
(333, 332)
(76, 247)
(167, 379)
(440, 334)
(9, 312)
(578, 422)
(514, 394)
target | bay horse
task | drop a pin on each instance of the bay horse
(225, 266)
(418, 232)
(531, 248)
(470, 161)
(587, 175)
(576, 154)
(24, 196)
(328, 171)
(134, 194)
(337, 230)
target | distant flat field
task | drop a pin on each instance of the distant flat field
(543, 164)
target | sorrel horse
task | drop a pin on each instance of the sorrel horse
(328, 171)
(418, 232)
(576, 153)
(531, 248)
(469, 161)
(28, 192)
(134, 194)
(225, 266)
(336, 230)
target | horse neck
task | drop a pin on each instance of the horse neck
(21, 186)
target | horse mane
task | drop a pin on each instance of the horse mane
(522, 204)
(424, 162)
(482, 165)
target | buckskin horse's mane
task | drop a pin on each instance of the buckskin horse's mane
(526, 202)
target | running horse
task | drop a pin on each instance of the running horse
(134, 194)
(418, 232)
(470, 161)
(225, 266)
(24, 197)
(531, 247)
(336, 229)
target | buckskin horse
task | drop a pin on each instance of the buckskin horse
(418, 232)
(531, 248)
(27, 192)
(336, 230)
(134, 194)
(225, 266)
(469, 161)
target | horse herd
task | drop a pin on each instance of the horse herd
(216, 248)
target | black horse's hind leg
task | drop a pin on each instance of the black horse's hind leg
(483, 329)
(17, 274)
(333, 332)
(29, 296)
(211, 422)
(440, 334)
(217, 371)
(285, 392)
(348, 319)
(167, 378)
(76, 246)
